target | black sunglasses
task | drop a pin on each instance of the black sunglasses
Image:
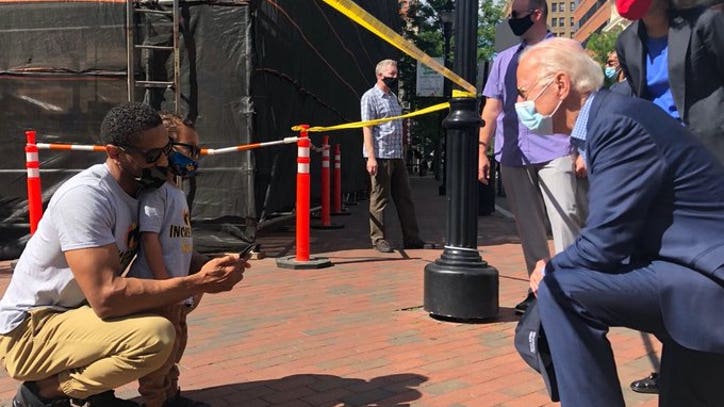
(517, 14)
(190, 150)
(151, 155)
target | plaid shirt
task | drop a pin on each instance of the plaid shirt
(579, 133)
(387, 137)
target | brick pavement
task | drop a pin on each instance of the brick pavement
(355, 334)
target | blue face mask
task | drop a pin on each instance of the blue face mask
(182, 165)
(610, 72)
(534, 121)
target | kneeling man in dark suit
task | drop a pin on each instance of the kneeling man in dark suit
(651, 256)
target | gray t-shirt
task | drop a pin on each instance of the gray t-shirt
(165, 211)
(89, 210)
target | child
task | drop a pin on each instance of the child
(166, 251)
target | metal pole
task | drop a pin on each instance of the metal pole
(446, 28)
(130, 50)
(460, 285)
(176, 59)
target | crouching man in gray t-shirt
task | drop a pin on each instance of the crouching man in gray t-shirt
(70, 325)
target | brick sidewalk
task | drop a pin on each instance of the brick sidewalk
(355, 334)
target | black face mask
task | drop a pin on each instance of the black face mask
(390, 83)
(520, 25)
(152, 178)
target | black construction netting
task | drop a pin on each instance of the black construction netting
(249, 72)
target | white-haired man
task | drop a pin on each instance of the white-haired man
(651, 255)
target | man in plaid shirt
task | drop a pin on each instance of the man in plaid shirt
(385, 164)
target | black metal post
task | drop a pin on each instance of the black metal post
(446, 33)
(460, 285)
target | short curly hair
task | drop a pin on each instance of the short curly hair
(123, 124)
(173, 121)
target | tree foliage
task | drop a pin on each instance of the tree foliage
(424, 29)
(600, 44)
(491, 13)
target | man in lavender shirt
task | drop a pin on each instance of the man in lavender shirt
(539, 172)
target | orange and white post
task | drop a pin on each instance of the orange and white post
(302, 259)
(32, 164)
(326, 210)
(303, 191)
(337, 201)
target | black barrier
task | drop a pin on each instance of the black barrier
(250, 70)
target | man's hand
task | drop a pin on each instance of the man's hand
(579, 167)
(222, 273)
(483, 167)
(372, 166)
(537, 275)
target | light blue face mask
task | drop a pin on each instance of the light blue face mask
(534, 121)
(610, 72)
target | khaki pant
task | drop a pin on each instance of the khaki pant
(391, 180)
(88, 354)
(550, 189)
(162, 383)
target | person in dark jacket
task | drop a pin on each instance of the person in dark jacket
(651, 256)
(674, 57)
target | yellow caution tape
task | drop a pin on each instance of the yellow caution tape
(357, 125)
(457, 93)
(366, 20)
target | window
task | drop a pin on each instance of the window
(561, 22)
(562, 7)
(554, 7)
(573, 23)
(573, 6)
(554, 22)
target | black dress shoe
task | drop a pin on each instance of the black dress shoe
(649, 385)
(522, 306)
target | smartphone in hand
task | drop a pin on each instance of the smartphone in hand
(248, 249)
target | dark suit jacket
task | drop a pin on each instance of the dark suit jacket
(696, 70)
(656, 199)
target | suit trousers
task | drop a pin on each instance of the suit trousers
(89, 355)
(552, 188)
(577, 307)
(391, 180)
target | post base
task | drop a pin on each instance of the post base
(290, 262)
(461, 292)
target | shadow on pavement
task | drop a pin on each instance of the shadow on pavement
(505, 314)
(347, 260)
(319, 390)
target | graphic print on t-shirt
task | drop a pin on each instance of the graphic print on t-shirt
(182, 232)
(131, 246)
